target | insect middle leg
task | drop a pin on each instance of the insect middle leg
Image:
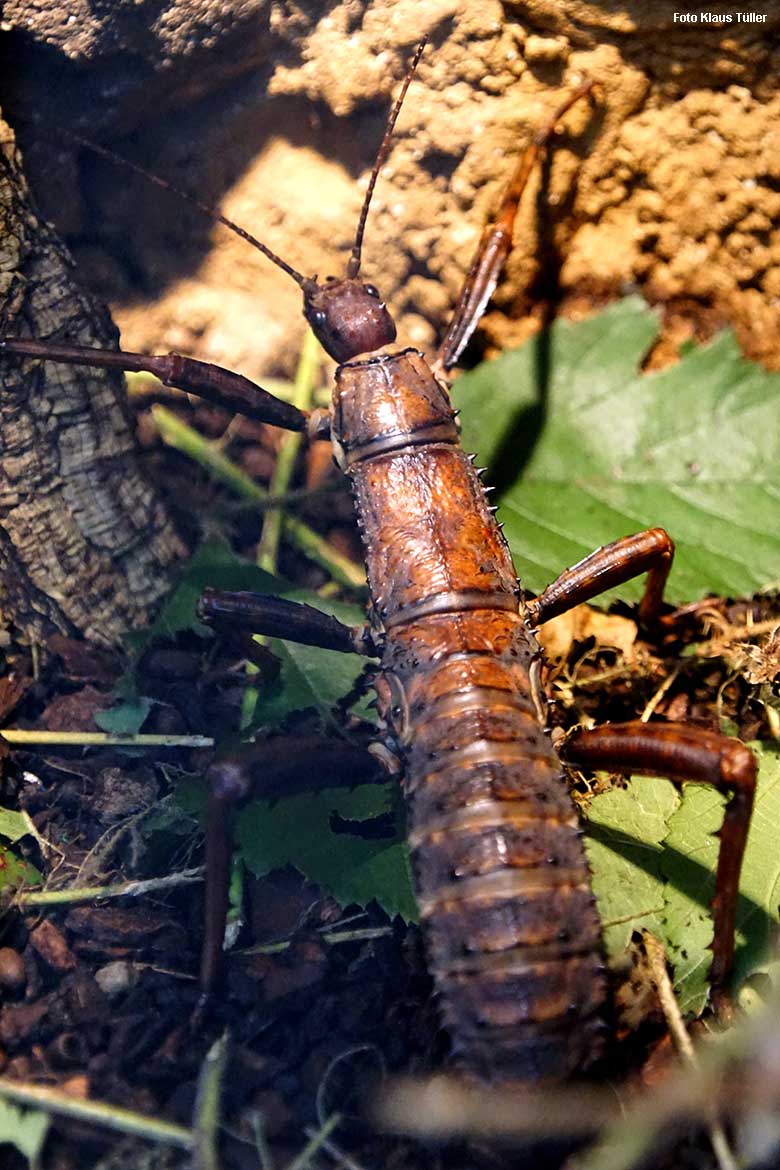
(232, 779)
(651, 551)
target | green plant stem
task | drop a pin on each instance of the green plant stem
(671, 1009)
(341, 568)
(314, 1143)
(205, 1122)
(296, 496)
(97, 1112)
(270, 539)
(187, 440)
(331, 937)
(303, 389)
(264, 1155)
(102, 739)
(135, 889)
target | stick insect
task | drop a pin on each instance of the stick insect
(503, 886)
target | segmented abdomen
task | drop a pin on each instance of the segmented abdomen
(501, 876)
(502, 881)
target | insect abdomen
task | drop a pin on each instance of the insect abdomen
(503, 886)
(501, 876)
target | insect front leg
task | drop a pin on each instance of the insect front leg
(223, 387)
(495, 244)
(683, 753)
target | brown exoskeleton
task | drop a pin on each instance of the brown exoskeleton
(502, 881)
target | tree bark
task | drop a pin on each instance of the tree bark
(85, 543)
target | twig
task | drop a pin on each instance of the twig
(97, 1112)
(729, 635)
(178, 434)
(651, 705)
(106, 843)
(134, 889)
(671, 1009)
(102, 739)
(47, 848)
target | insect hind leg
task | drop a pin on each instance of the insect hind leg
(687, 754)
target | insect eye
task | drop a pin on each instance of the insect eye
(372, 290)
(319, 317)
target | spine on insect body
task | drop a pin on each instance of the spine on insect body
(501, 877)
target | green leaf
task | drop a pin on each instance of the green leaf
(298, 831)
(15, 871)
(586, 448)
(625, 830)
(127, 718)
(190, 797)
(310, 676)
(653, 854)
(24, 1128)
(214, 564)
(13, 825)
(689, 865)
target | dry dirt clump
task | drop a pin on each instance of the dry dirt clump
(668, 183)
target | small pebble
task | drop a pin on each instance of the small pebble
(116, 977)
(13, 976)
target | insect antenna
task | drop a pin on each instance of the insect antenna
(353, 264)
(212, 212)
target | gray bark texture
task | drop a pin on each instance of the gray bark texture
(85, 544)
